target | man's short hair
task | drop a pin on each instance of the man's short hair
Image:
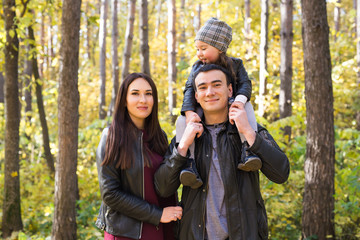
(209, 67)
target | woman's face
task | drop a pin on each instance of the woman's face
(139, 101)
(206, 53)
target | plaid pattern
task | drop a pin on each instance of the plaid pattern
(215, 33)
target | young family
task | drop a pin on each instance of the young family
(216, 155)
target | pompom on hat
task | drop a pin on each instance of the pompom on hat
(216, 33)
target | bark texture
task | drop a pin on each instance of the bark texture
(172, 56)
(263, 55)
(114, 55)
(286, 40)
(144, 38)
(11, 218)
(102, 44)
(64, 223)
(129, 35)
(318, 201)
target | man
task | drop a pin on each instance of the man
(229, 204)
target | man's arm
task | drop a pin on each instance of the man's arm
(275, 164)
(166, 179)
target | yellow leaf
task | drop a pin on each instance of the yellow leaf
(14, 174)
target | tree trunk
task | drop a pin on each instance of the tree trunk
(28, 86)
(114, 51)
(158, 17)
(42, 43)
(199, 17)
(337, 17)
(144, 38)
(172, 56)
(2, 82)
(286, 40)
(358, 61)
(318, 201)
(11, 218)
(88, 36)
(102, 43)
(40, 104)
(128, 39)
(183, 29)
(247, 27)
(64, 224)
(263, 55)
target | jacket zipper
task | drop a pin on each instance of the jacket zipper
(206, 188)
(142, 169)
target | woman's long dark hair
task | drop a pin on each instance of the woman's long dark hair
(122, 131)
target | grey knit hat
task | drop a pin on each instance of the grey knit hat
(216, 33)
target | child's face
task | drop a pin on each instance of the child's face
(206, 53)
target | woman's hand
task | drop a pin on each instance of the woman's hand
(171, 214)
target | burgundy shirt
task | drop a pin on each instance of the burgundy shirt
(149, 231)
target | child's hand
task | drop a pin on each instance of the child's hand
(239, 105)
(191, 115)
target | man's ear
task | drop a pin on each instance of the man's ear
(196, 96)
(230, 90)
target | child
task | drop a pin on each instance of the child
(211, 42)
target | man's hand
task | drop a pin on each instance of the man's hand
(239, 105)
(193, 129)
(237, 115)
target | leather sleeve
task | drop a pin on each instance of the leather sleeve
(275, 164)
(166, 178)
(243, 83)
(116, 198)
(189, 101)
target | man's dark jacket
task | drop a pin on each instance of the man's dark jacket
(246, 215)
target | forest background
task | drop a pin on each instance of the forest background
(283, 202)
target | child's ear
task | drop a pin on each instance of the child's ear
(196, 96)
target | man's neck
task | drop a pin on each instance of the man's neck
(215, 118)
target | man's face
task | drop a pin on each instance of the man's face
(212, 91)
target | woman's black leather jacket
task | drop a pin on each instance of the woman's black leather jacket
(121, 213)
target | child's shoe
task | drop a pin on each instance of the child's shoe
(190, 177)
(249, 161)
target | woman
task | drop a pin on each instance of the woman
(128, 155)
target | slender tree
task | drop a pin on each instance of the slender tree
(171, 37)
(129, 34)
(11, 217)
(263, 55)
(2, 82)
(144, 38)
(27, 82)
(286, 40)
(102, 44)
(158, 17)
(64, 223)
(114, 51)
(358, 61)
(319, 166)
(337, 17)
(40, 104)
(247, 26)
(199, 17)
